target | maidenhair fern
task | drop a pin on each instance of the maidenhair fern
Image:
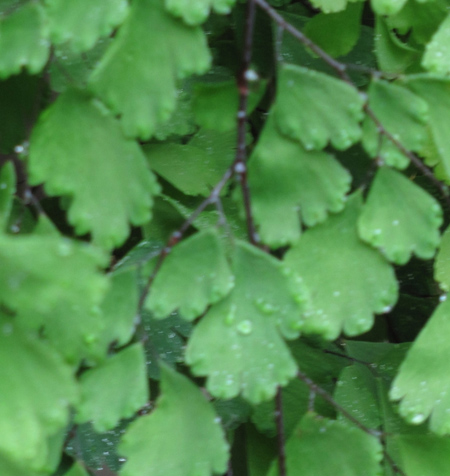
(224, 241)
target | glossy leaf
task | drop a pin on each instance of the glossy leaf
(301, 110)
(315, 448)
(238, 344)
(195, 12)
(7, 190)
(83, 22)
(193, 276)
(196, 167)
(77, 469)
(127, 79)
(105, 390)
(103, 173)
(288, 182)
(181, 437)
(437, 53)
(423, 383)
(336, 33)
(328, 253)
(23, 40)
(403, 114)
(330, 6)
(37, 387)
(442, 263)
(400, 218)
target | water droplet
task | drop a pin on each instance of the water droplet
(245, 327)
(418, 418)
(442, 297)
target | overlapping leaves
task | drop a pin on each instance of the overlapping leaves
(332, 250)
(238, 344)
(137, 76)
(181, 437)
(103, 173)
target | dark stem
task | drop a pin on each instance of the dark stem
(280, 433)
(326, 396)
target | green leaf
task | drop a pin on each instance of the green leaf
(105, 390)
(442, 263)
(36, 387)
(195, 12)
(422, 454)
(23, 40)
(387, 7)
(83, 22)
(77, 469)
(327, 253)
(103, 173)
(302, 109)
(181, 437)
(437, 52)
(400, 218)
(288, 182)
(127, 79)
(403, 114)
(330, 6)
(7, 190)
(336, 33)
(237, 344)
(315, 448)
(423, 383)
(193, 276)
(356, 392)
(54, 285)
(393, 56)
(194, 168)
(216, 104)
(436, 92)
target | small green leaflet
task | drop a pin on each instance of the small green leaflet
(437, 53)
(215, 104)
(336, 33)
(23, 40)
(194, 275)
(37, 387)
(7, 191)
(127, 78)
(436, 91)
(356, 392)
(83, 22)
(195, 12)
(403, 114)
(302, 112)
(330, 6)
(196, 167)
(288, 182)
(181, 437)
(400, 218)
(393, 56)
(316, 448)
(77, 469)
(423, 383)
(119, 308)
(116, 389)
(420, 455)
(442, 263)
(328, 253)
(238, 344)
(54, 284)
(387, 7)
(103, 173)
